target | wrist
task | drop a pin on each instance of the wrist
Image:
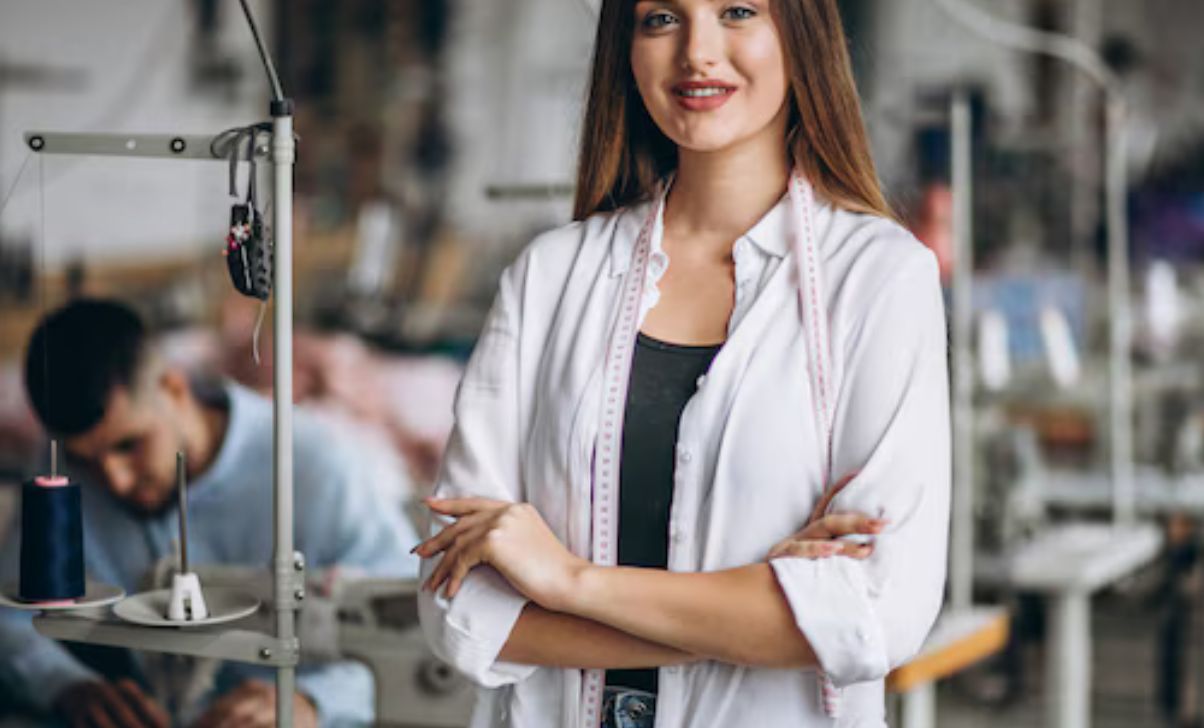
(581, 588)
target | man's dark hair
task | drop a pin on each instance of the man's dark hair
(77, 356)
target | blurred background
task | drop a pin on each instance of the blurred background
(436, 137)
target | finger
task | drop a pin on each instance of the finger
(826, 500)
(835, 525)
(462, 506)
(221, 708)
(148, 709)
(119, 709)
(778, 548)
(808, 549)
(458, 573)
(858, 551)
(437, 575)
(444, 539)
(844, 524)
(98, 716)
(465, 557)
(444, 567)
(245, 712)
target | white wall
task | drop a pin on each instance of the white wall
(516, 79)
(133, 57)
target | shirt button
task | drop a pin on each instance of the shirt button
(701, 378)
(679, 536)
(863, 636)
(672, 669)
(684, 455)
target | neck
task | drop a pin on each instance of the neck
(718, 196)
(205, 437)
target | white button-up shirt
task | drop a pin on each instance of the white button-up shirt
(748, 463)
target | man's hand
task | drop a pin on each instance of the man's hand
(120, 704)
(253, 705)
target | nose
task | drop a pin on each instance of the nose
(703, 43)
(118, 475)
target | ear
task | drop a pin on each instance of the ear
(174, 384)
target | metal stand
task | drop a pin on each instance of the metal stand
(281, 650)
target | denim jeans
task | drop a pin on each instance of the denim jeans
(625, 708)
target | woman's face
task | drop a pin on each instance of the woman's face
(711, 72)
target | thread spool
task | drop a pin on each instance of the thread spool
(52, 541)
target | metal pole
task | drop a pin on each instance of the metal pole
(182, 494)
(1119, 314)
(1083, 57)
(283, 156)
(961, 553)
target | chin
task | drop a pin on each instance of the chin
(145, 509)
(707, 143)
(708, 138)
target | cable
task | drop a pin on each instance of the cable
(277, 93)
(1023, 38)
(13, 188)
(46, 389)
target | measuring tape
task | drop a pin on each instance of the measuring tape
(617, 372)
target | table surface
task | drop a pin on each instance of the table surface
(1077, 557)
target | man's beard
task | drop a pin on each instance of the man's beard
(139, 510)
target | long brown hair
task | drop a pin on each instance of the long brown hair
(624, 154)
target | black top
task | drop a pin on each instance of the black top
(663, 378)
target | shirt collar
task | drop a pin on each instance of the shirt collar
(773, 231)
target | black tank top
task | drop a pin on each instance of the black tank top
(663, 378)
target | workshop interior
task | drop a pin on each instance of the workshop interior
(339, 185)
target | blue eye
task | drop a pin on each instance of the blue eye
(656, 20)
(739, 12)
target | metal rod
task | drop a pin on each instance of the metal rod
(283, 155)
(961, 553)
(54, 458)
(531, 191)
(1119, 315)
(137, 146)
(182, 487)
(241, 645)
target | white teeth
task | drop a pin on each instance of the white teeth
(701, 92)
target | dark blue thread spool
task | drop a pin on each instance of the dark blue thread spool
(52, 541)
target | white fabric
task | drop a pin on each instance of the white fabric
(747, 472)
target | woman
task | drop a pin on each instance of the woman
(732, 319)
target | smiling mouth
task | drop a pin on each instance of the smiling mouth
(701, 92)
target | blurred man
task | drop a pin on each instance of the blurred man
(121, 415)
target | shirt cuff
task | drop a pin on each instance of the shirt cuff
(470, 630)
(831, 605)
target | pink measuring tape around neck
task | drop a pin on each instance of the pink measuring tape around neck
(617, 371)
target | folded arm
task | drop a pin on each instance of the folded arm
(556, 639)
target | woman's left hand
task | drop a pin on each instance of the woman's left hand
(510, 537)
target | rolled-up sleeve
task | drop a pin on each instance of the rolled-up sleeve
(482, 459)
(891, 427)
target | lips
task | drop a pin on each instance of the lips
(702, 95)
